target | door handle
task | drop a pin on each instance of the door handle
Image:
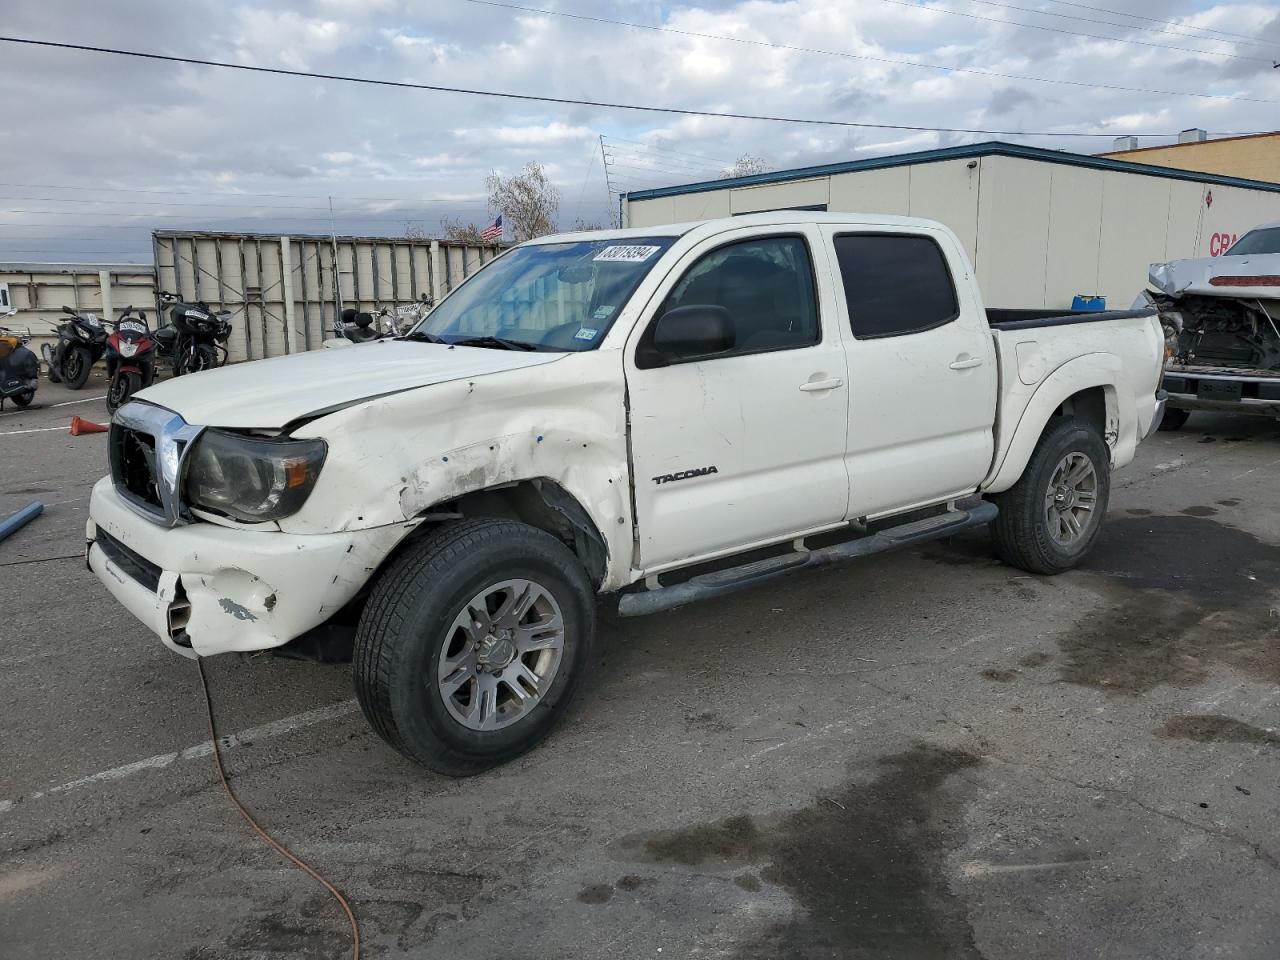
(812, 386)
(965, 363)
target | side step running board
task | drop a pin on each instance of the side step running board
(762, 571)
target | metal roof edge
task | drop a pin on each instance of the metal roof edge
(989, 148)
(32, 266)
(168, 234)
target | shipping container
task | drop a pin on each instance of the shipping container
(1041, 226)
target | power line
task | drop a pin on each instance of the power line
(683, 153)
(1073, 33)
(1138, 16)
(566, 101)
(1122, 26)
(348, 215)
(641, 154)
(898, 61)
(211, 193)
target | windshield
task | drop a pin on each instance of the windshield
(552, 296)
(1256, 241)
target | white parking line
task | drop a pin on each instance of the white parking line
(14, 433)
(264, 731)
(67, 403)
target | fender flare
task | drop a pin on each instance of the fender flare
(1092, 370)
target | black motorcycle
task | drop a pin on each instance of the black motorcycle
(19, 369)
(82, 341)
(195, 337)
(360, 327)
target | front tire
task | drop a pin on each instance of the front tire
(200, 357)
(24, 399)
(1173, 419)
(1050, 518)
(473, 643)
(122, 387)
(76, 364)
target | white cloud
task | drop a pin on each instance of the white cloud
(157, 126)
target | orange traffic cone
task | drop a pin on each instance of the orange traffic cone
(79, 426)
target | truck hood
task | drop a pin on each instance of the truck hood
(268, 394)
(1255, 275)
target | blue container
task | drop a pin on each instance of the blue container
(1089, 303)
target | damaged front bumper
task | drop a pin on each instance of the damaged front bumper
(206, 589)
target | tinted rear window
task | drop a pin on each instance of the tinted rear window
(895, 284)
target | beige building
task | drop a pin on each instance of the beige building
(1255, 157)
(1041, 226)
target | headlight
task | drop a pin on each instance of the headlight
(128, 349)
(250, 478)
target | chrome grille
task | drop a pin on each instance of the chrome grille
(148, 445)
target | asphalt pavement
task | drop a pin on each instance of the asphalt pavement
(924, 754)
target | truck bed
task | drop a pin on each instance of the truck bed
(1003, 318)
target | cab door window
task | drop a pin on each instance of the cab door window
(765, 286)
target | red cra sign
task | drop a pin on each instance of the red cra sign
(1220, 243)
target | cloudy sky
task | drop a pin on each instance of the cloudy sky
(100, 150)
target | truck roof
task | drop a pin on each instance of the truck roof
(743, 220)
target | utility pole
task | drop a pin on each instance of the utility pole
(608, 184)
(337, 274)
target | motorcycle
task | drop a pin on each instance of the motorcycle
(195, 337)
(81, 342)
(131, 358)
(19, 368)
(360, 327)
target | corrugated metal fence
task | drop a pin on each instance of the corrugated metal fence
(39, 291)
(284, 292)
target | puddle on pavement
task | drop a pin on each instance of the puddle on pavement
(1215, 728)
(1183, 593)
(864, 864)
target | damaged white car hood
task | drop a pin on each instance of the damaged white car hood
(268, 394)
(1252, 275)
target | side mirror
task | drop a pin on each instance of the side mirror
(697, 330)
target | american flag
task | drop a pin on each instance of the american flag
(493, 231)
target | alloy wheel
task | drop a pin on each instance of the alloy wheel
(1070, 500)
(501, 654)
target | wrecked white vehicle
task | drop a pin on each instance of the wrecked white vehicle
(1222, 321)
(667, 414)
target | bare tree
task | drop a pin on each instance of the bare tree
(414, 231)
(746, 165)
(528, 201)
(584, 226)
(460, 232)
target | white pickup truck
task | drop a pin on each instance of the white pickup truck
(666, 414)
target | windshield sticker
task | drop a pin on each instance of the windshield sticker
(626, 254)
(586, 333)
(602, 313)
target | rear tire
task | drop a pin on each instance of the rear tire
(1050, 518)
(122, 387)
(24, 399)
(51, 365)
(1173, 418)
(452, 633)
(76, 364)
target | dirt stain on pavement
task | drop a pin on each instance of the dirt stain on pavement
(999, 676)
(1215, 728)
(596, 893)
(865, 865)
(1198, 511)
(1184, 594)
